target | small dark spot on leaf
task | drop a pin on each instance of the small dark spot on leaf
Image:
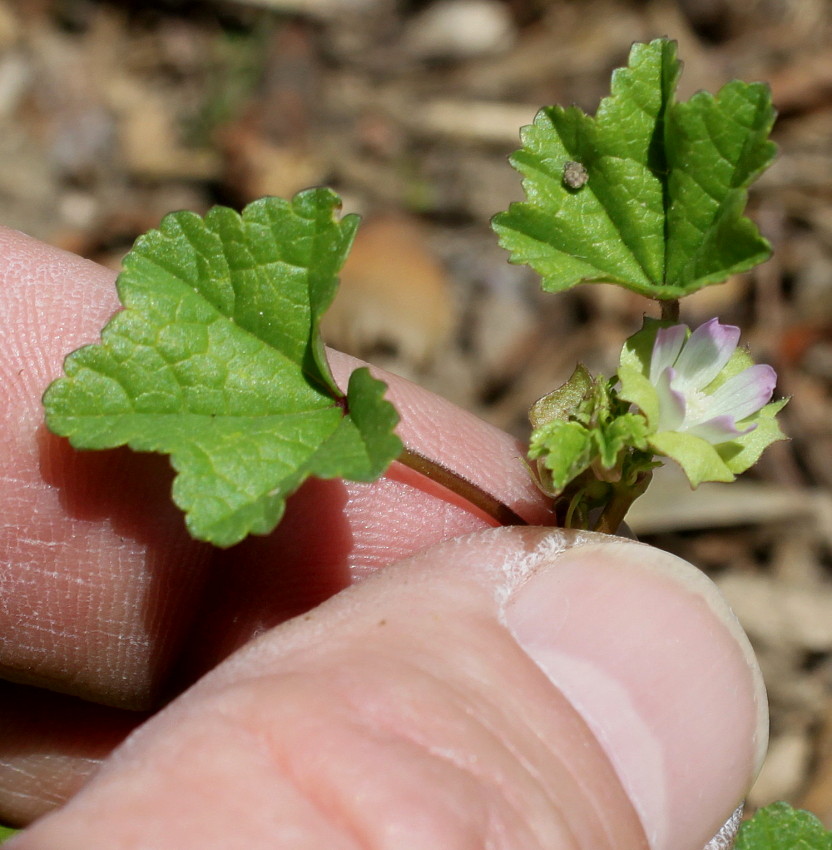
(574, 174)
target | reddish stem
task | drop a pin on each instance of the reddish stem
(456, 483)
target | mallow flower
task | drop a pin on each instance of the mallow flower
(707, 405)
(682, 368)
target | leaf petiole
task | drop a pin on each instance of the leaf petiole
(468, 490)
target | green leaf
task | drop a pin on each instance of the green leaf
(564, 401)
(619, 433)
(7, 832)
(717, 146)
(364, 443)
(582, 424)
(780, 827)
(565, 449)
(217, 360)
(661, 209)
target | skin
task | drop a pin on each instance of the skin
(385, 670)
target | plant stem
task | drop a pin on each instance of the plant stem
(612, 516)
(454, 482)
(670, 310)
(616, 509)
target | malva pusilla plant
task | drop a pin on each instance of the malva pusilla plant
(217, 358)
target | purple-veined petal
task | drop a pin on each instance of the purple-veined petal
(744, 394)
(720, 429)
(705, 354)
(671, 402)
(683, 365)
(666, 348)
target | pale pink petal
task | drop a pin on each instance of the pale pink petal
(720, 429)
(671, 402)
(705, 354)
(744, 394)
(666, 348)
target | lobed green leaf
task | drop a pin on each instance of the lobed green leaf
(217, 361)
(565, 450)
(661, 210)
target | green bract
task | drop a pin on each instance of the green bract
(779, 826)
(587, 445)
(590, 430)
(217, 360)
(659, 206)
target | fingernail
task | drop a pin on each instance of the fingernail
(647, 651)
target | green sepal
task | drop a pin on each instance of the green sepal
(637, 350)
(699, 460)
(636, 388)
(745, 451)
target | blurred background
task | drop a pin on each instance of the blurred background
(114, 113)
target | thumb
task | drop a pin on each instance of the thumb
(517, 688)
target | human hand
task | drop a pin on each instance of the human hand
(521, 687)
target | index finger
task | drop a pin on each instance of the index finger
(104, 592)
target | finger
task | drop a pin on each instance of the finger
(498, 690)
(104, 593)
(337, 532)
(100, 580)
(51, 744)
(91, 604)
